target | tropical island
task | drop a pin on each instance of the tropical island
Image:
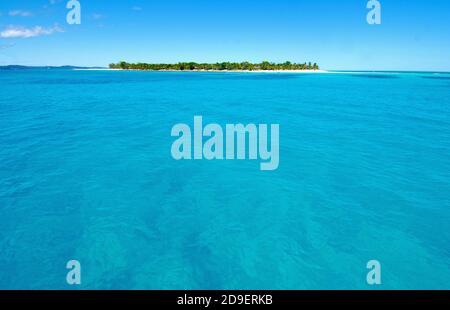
(220, 66)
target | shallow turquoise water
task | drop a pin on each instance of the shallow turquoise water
(86, 174)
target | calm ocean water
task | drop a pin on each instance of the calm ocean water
(86, 173)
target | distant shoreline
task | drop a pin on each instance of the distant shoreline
(215, 71)
(219, 66)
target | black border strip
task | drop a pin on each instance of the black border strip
(168, 298)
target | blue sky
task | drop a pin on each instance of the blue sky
(414, 34)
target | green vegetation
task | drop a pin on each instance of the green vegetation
(223, 66)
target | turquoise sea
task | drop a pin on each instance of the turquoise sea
(86, 173)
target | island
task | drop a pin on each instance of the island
(220, 66)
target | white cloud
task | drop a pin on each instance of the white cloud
(97, 16)
(50, 3)
(22, 32)
(5, 46)
(20, 13)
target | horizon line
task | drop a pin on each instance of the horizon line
(335, 70)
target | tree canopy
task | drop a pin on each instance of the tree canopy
(222, 66)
